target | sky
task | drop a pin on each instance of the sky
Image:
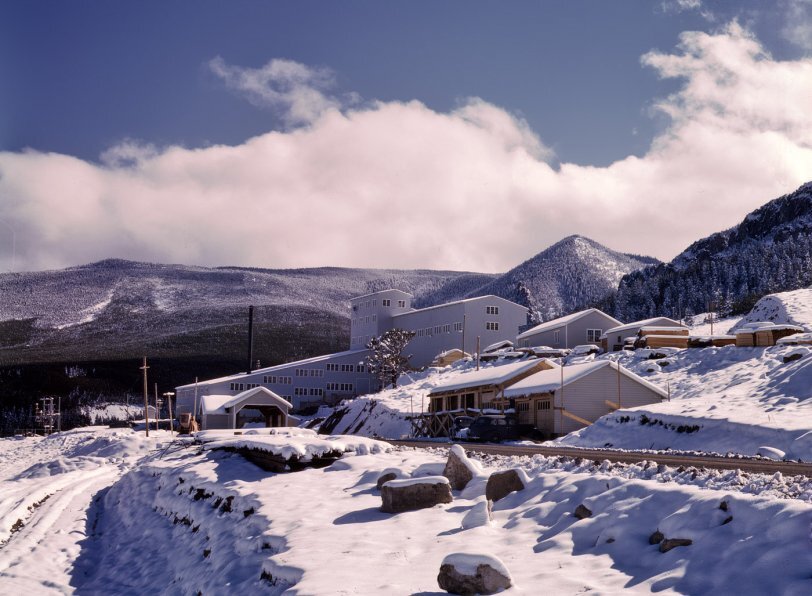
(450, 135)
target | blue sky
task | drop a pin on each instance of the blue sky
(119, 91)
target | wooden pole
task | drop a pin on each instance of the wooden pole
(619, 403)
(171, 419)
(194, 410)
(477, 352)
(561, 416)
(157, 411)
(146, 399)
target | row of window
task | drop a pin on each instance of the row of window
(340, 387)
(312, 391)
(491, 310)
(273, 380)
(346, 367)
(242, 386)
(365, 320)
(388, 302)
(492, 326)
(361, 340)
(309, 372)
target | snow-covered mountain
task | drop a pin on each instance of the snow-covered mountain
(118, 308)
(769, 251)
(123, 309)
(571, 274)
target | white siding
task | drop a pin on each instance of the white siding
(586, 397)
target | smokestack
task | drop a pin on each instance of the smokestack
(250, 339)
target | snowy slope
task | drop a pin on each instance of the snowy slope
(769, 251)
(187, 521)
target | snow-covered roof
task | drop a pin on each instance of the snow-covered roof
(217, 404)
(562, 321)
(767, 326)
(662, 328)
(271, 369)
(656, 321)
(505, 343)
(492, 375)
(796, 338)
(354, 298)
(547, 381)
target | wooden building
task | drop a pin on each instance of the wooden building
(617, 338)
(449, 357)
(481, 389)
(652, 336)
(764, 333)
(561, 400)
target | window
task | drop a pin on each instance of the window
(401, 304)
(362, 368)
(347, 368)
(374, 303)
(468, 400)
(316, 392)
(593, 335)
(523, 406)
(374, 318)
(457, 326)
(446, 328)
(452, 402)
(491, 310)
(557, 337)
(492, 326)
(332, 367)
(386, 302)
(316, 372)
(300, 372)
(544, 404)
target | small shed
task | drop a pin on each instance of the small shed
(652, 336)
(449, 357)
(617, 338)
(764, 333)
(254, 407)
(479, 389)
(559, 401)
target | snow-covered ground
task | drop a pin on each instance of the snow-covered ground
(125, 517)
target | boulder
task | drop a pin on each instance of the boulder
(582, 512)
(656, 538)
(415, 493)
(384, 478)
(457, 468)
(462, 573)
(501, 484)
(669, 543)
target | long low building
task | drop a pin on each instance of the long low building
(320, 380)
(482, 388)
(564, 399)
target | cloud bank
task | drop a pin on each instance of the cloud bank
(396, 184)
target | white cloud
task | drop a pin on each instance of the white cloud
(400, 185)
(296, 91)
(798, 26)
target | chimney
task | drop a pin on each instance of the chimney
(250, 339)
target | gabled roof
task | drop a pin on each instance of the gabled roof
(217, 404)
(491, 375)
(549, 381)
(381, 292)
(656, 321)
(562, 321)
(271, 369)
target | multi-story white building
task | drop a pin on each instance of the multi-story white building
(330, 378)
(436, 328)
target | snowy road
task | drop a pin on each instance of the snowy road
(47, 487)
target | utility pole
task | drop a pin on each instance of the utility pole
(168, 395)
(146, 399)
(618, 383)
(477, 352)
(463, 335)
(157, 411)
